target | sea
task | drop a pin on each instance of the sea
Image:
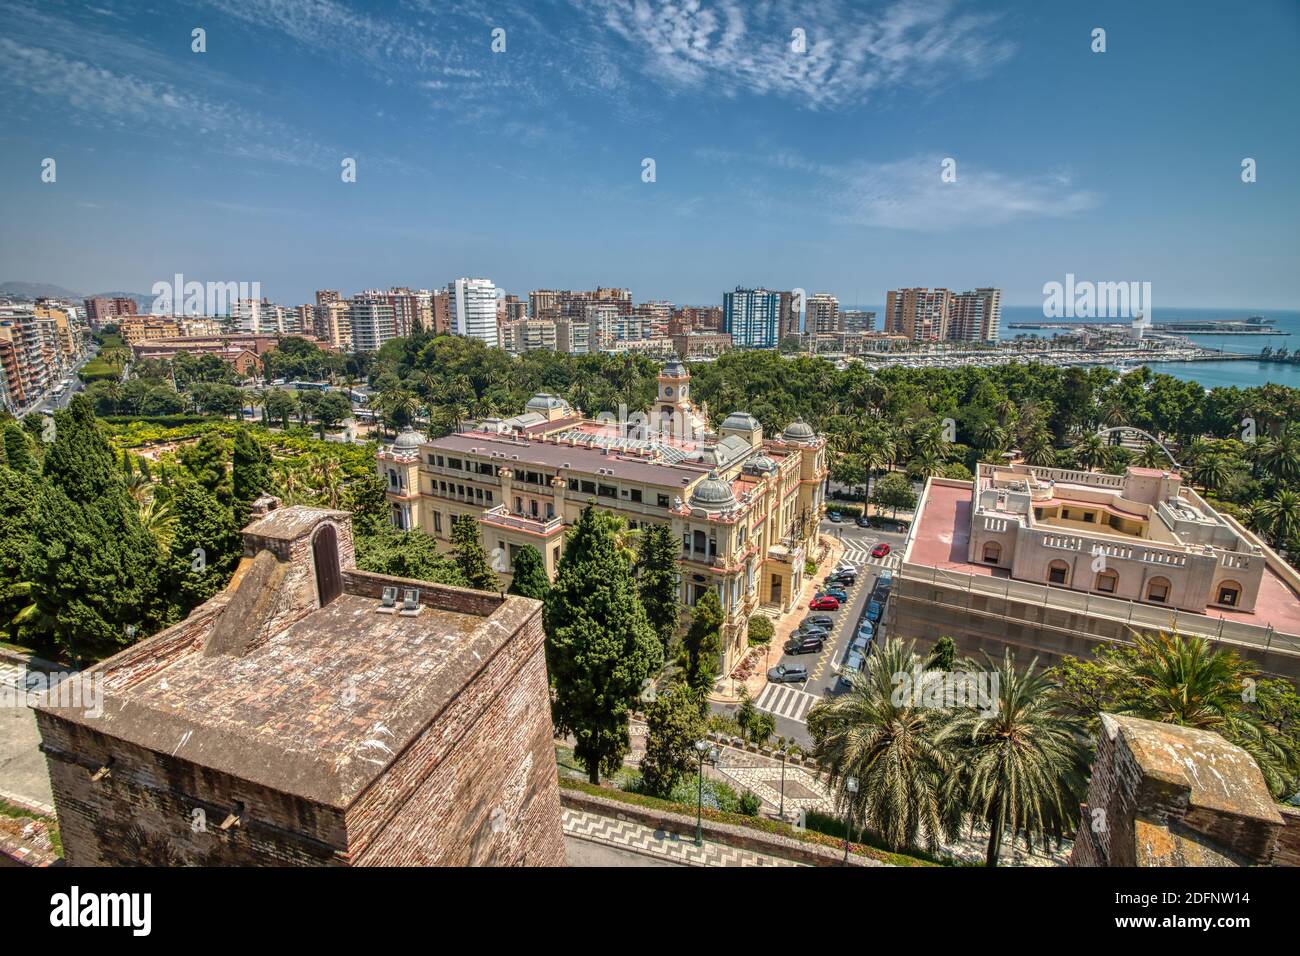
(1243, 374)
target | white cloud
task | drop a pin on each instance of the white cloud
(733, 46)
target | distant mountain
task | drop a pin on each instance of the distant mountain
(46, 290)
(37, 290)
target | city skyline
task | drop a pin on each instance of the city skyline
(526, 165)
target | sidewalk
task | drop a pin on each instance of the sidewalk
(639, 838)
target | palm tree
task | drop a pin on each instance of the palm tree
(1021, 767)
(1153, 456)
(1212, 470)
(990, 435)
(880, 737)
(1279, 458)
(1090, 451)
(159, 520)
(1189, 682)
(1278, 517)
(329, 475)
(1038, 448)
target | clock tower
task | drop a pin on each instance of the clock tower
(673, 412)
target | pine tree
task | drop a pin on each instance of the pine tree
(206, 546)
(17, 529)
(366, 499)
(93, 568)
(674, 723)
(529, 578)
(18, 449)
(702, 645)
(657, 578)
(250, 474)
(470, 556)
(600, 648)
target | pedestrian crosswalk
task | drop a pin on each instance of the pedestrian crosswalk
(858, 551)
(785, 701)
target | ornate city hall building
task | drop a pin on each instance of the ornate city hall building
(743, 506)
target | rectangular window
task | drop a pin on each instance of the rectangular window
(607, 491)
(489, 497)
(663, 501)
(439, 461)
(456, 464)
(636, 495)
(437, 521)
(588, 487)
(1158, 592)
(1089, 517)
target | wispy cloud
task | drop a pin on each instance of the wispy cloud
(908, 194)
(849, 54)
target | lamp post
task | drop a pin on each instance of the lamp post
(782, 750)
(850, 787)
(711, 753)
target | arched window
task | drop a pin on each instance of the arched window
(1158, 590)
(1107, 582)
(1229, 593)
(992, 552)
(1058, 572)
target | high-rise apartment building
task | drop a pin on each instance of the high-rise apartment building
(938, 315)
(822, 313)
(752, 318)
(474, 309)
(102, 311)
(919, 314)
(856, 320)
(790, 316)
(371, 320)
(975, 316)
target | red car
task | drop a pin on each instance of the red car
(824, 603)
(880, 550)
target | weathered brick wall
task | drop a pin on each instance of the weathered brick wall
(1287, 850)
(479, 786)
(440, 596)
(142, 812)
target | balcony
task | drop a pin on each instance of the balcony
(501, 517)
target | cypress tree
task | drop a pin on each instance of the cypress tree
(530, 575)
(657, 576)
(470, 556)
(204, 524)
(702, 645)
(17, 529)
(600, 648)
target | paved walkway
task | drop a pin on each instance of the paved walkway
(660, 844)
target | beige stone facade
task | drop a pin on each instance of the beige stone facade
(742, 505)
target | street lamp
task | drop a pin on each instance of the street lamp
(851, 787)
(782, 750)
(711, 753)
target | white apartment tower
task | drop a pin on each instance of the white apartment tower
(474, 309)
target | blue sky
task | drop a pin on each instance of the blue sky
(818, 170)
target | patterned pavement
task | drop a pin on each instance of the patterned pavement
(660, 843)
(857, 550)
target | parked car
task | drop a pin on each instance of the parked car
(861, 644)
(823, 602)
(812, 630)
(880, 550)
(842, 579)
(862, 521)
(886, 579)
(866, 629)
(844, 566)
(785, 674)
(853, 663)
(835, 517)
(805, 644)
(874, 610)
(819, 620)
(838, 593)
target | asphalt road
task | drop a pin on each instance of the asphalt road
(579, 852)
(822, 668)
